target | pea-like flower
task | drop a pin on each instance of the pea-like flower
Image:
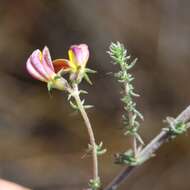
(40, 66)
(78, 57)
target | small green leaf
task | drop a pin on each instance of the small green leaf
(134, 94)
(139, 138)
(87, 78)
(83, 92)
(88, 106)
(69, 96)
(132, 64)
(139, 114)
(87, 70)
(82, 102)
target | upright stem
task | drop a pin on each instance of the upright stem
(130, 114)
(90, 132)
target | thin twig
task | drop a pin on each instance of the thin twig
(90, 132)
(147, 152)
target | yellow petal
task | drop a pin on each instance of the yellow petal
(73, 61)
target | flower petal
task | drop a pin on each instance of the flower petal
(47, 62)
(59, 64)
(73, 60)
(47, 57)
(36, 62)
(85, 52)
(33, 72)
(79, 54)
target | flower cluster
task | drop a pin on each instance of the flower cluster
(41, 66)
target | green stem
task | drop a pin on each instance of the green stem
(90, 131)
(130, 114)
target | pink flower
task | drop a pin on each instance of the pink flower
(78, 57)
(40, 66)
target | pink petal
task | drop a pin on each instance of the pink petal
(85, 52)
(36, 62)
(81, 53)
(33, 72)
(47, 58)
(47, 69)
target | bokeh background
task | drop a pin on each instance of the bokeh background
(42, 139)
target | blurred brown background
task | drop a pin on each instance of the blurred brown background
(42, 139)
